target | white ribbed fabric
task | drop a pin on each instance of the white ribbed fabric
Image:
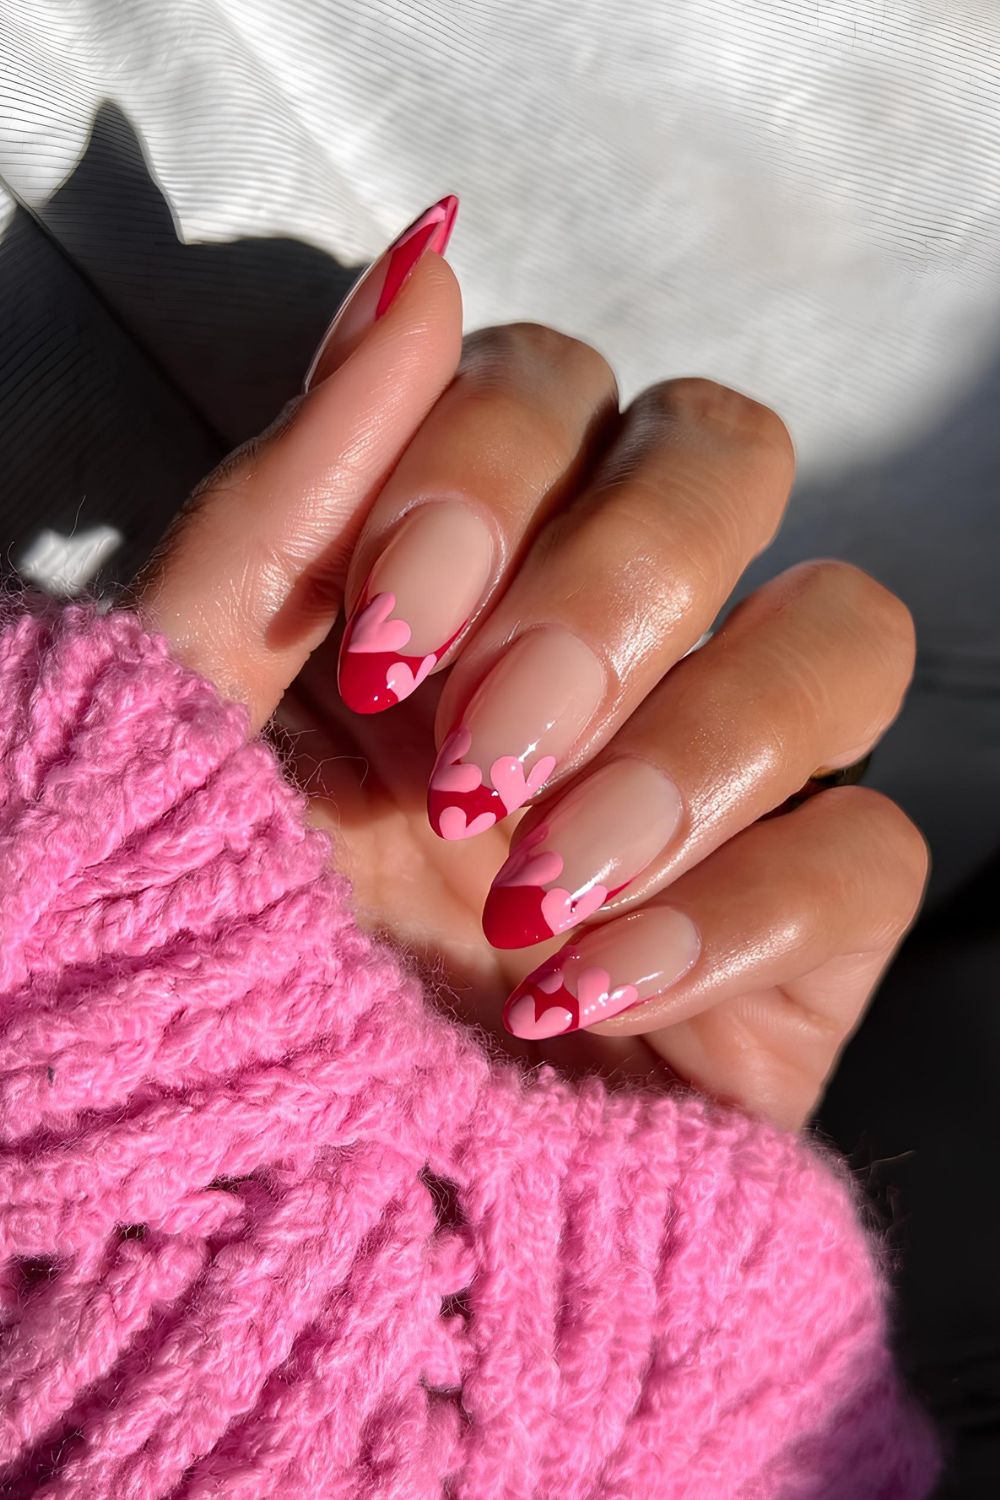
(804, 198)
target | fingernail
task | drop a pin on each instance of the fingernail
(608, 971)
(375, 292)
(418, 598)
(597, 839)
(521, 723)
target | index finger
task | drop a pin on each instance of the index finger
(250, 579)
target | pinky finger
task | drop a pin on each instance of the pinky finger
(800, 912)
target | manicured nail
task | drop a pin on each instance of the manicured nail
(521, 723)
(596, 840)
(609, 970)
(375, 292)
(417, 600)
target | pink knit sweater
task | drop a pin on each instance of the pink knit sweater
(269, 1227)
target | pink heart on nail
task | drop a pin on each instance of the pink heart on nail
(561, 911)
(374, 631)
(593, 991)
(457, 779)
(550, 982)
(553, 1021)
(451, 777)
(509, 780)
(454, 824)
(526, 868)
(402, 681)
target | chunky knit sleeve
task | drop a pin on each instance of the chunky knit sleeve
(269, 1227)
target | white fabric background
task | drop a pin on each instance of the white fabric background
(804, 198)
(800, 199)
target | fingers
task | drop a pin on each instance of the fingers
(614, 591)
(843, 874)
(249, 581)
(809, 671)
(504, 446)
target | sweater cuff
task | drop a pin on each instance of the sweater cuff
(269, 1226)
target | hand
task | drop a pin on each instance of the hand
(527, 567)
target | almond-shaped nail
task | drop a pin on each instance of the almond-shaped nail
(596, 840)
(417, 600)
(520, 725)
(608, 971)
(374, 294)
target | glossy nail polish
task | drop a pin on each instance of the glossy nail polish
(374, 294)
(596, 840)
(418, 598)
(608, 971)
(520, 724)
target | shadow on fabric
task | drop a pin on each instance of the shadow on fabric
(130, 362)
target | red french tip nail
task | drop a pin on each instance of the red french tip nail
(374, 672)
(542, 1006)
(530, 900)
(512, 917)
(374, 293)
(516, 916)
(431, 231)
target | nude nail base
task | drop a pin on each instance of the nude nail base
(597, 839)
(520, 724)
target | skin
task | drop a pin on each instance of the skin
(629, 529)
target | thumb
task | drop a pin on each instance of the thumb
(250, 578)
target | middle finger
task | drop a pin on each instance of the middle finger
(615, 590)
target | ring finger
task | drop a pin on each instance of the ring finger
(807, 672)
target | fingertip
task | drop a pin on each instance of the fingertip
(382, 288)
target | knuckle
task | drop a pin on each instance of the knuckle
(526, 355)
(874, 863)
(889, 616)
(705, 402)
(563, 352)
(726, 443)
(846, 592)
(889, 842)
(850, 584)
(532, 390)
(904, 844)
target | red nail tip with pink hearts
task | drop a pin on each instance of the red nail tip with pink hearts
(527, 904)
(462, 801)
(375, 672)
(547, 1003)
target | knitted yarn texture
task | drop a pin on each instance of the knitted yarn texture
(270, 1227)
